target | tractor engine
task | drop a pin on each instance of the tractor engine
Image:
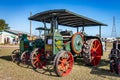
(24, 43)
(67, 35)
(53, 44)
(38, 43)
(73, 42)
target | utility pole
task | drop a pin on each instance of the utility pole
(30, 24)
(114, 34)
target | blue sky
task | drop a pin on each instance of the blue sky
(16, 12)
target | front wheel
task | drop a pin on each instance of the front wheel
(64, 63)
(37, 56)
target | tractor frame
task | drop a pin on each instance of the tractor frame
(60, 47)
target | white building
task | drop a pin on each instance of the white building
(9, 36)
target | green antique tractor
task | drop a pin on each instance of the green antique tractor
(23, 52)
(22, 55)
(60, 47)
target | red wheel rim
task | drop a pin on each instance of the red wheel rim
(65, 64)
(36, 59)
(96, 52)
(25, 57)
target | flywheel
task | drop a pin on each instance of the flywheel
(77, 43)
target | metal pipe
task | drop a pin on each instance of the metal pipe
(54, 26)
(77, 29)
(100, 31)
(83, 29)
(44, 27)
(30, 24)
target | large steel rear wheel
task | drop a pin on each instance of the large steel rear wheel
(64, 63)
(36, 58)
(94, 52)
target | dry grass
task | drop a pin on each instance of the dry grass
(11, 71)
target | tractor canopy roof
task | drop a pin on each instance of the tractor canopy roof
(66, 18)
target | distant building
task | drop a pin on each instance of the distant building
(10, 36)
(110, 39)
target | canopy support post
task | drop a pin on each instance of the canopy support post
(83, 29)
(54, 25)
(100, 31)
(44, 27)
(77, 29)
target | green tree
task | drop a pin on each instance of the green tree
(3, 25)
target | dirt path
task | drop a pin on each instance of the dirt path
(9, 46)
